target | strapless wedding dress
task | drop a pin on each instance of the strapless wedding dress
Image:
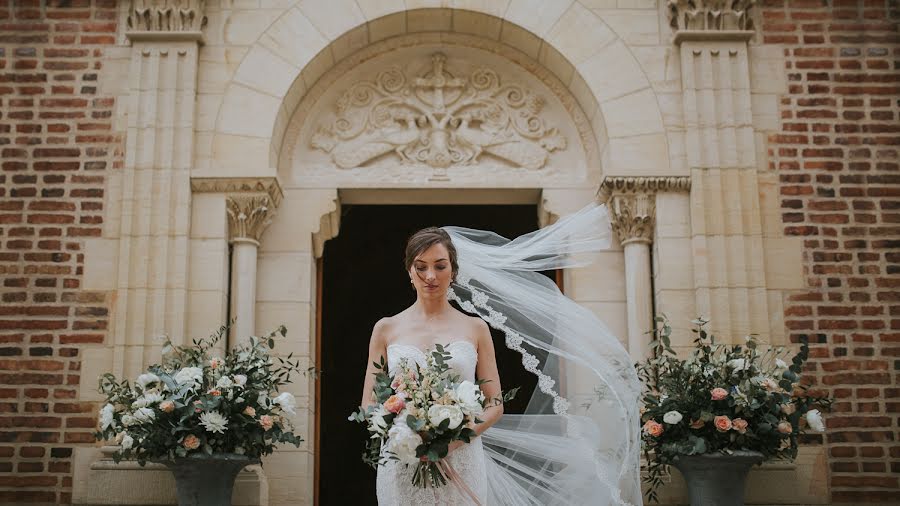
(394, 484)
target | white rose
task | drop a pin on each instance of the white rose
(738, 364)
(287, 402)
(106, 416)
(148, 399)
(127, 442)
(224, 382)
(240, 380)
(144, 415)
(189, 375)
(438, 413)
(146, 379)
(672, 417)
(377, 423)
(814, 419)
(469, 396)
(128, 420)
(402, 443)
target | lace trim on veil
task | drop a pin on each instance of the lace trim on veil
(497, 320)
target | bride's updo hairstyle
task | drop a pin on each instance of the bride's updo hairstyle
(426, 238)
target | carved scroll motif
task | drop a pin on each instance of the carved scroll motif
(438, 120)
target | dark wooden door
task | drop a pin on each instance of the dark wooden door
(363, 279)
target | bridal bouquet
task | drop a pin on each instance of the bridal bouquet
(721, 399)
(417, 414)
(194, 402)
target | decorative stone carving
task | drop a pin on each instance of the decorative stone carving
(248, 216)
(711, 15)
(438, 120)
(230, 185)
(632, 203)
(166, 15)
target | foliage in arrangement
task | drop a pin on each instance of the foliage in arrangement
(723, 398)
(195, 402)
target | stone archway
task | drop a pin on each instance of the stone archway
(569, 40)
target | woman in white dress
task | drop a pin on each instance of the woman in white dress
(558, 452)
(432, 266)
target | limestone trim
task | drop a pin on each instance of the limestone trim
(165, 16)
(632, 204)
(439, 119)
(233, 185)
(248, 217)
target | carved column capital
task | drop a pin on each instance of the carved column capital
(711, 20)
(248, 216)
(632, 204)
(165, 19)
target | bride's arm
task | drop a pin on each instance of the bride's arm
(486, 369)
(377, 351)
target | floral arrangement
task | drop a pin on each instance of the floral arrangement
(194, 402)
(418, 413)
(723, 398)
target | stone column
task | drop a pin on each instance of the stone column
(154, 186)
(632, 210)
(248, 217)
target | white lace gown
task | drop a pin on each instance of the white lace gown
(393, 486)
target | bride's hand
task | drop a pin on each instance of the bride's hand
(454, 445)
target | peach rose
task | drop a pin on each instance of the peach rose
(249, 411)
(266, 422)
(167, 406)
(214, 392)
(739, 424)
(191, 442)
(216, 362)
(723, 423)
(653, 428)
(718, 394)
(697, 424)
(788, 408)
(785, 428)
(395, 404)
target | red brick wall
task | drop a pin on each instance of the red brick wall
(837, 157)
(56, 144)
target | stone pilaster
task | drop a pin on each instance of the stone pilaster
(155, 188)
(726, 224)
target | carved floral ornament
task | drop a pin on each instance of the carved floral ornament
(711, 15)
(248, 216)
(438, 120)
(166, 15)
(632, 204)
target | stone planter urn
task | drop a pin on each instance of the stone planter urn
(206, 480)
(717, 479)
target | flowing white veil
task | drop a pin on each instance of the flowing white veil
(578, 441)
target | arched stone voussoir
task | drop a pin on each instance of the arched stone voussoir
(565, 37)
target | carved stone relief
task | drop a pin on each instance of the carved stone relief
(439, 120)
(166, 15)
(430, 108)
(711, 15)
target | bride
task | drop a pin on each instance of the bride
(557, 452)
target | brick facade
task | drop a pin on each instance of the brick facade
(838, 159)
(56, 142)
